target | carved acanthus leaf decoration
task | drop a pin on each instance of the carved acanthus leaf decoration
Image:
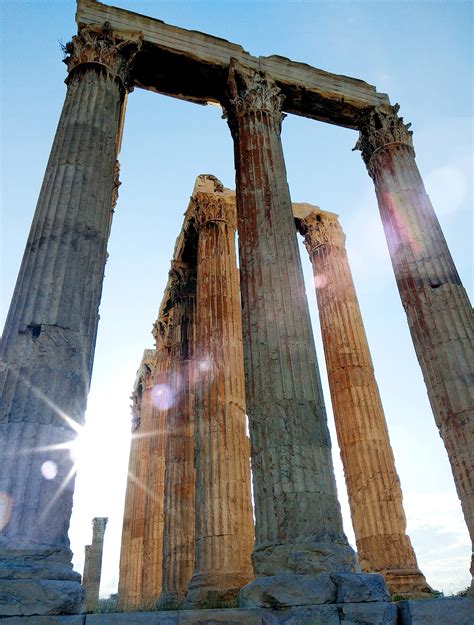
(162, 332)
(379, 127)
(183, 280)
(251, 91)
(212, 208)
(100, 46)
(99, 524)
(321, 229)
(117, 183)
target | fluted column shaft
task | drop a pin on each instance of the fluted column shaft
(137, 525)
(178, 528)
(439, 313)
(224, 524)
(296, 506)
(93, 564)
(154, 496)
(48, 343)
(373, 486)
(125, 585)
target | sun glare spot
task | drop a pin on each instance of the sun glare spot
(204, 364)
(320, 281)
(49, 470)
(6, 504)
(162, 396)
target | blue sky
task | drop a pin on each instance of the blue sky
(420, 53)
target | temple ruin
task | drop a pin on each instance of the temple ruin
(204, 269)
(300, 555)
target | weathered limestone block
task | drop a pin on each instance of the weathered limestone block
(47, 348)
(280, 591)
(131, 561)
(296, 506)
(93, 562)
(439, 313)
(178, 529)
(224, 524)
(77, 619)
(373, 486)
(446, 611)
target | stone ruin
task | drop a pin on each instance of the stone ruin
(300, 551)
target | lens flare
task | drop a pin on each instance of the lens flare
(6, 505)
(320, 281)
(204, 364)
(49, 470)
(162, 396)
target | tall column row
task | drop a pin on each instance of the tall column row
(48, 344)
(195, 487)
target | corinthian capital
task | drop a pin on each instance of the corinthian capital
(99, 45)
(251, 91)
(319, 229)
(99, 524)
(379, 127)
(161, 332)
(183, 280)
(209, 207)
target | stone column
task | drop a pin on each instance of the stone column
(93, 562)
(154, 495)
(125, 586)
(439, 313)
(48, 344)
(373, 486)
(178, 529)
(224, 524)
(133, 532)
(298, 517)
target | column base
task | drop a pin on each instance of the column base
(171, 601)
(407, 582)
(306, 557)
(290, 589)
(38, 582)
(211, 590)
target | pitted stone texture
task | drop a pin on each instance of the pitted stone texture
(133, 618)
(224, 617)
(280, 591)
(77, 619)
(37, 596)
(368, 614)
(360, 588)
(320, 615)
(308, 557)
(455, 611)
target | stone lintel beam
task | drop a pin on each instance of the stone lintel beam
(194, 66)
